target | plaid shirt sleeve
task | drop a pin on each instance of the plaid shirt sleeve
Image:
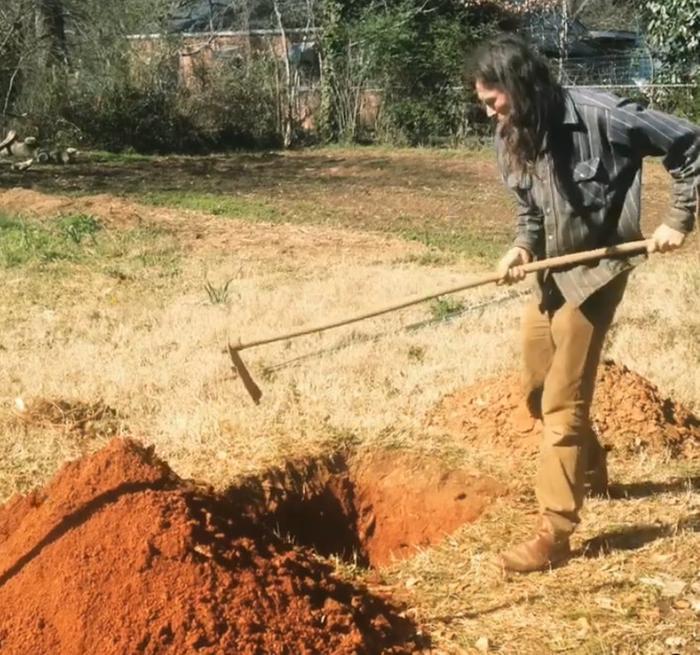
(653, 133)
(529, 228)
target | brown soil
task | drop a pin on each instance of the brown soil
(408, 190)
(373, 510)
(405, 503)
(118, 555)
(199, 231)
(628, 412)
(361, 189)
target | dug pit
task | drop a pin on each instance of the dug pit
(372, 509)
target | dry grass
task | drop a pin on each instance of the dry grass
(150, 344)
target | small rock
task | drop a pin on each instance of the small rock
(605, 602)
(675, 642)
(668, 586)
(482, 644)
(695, 605)
(583, 628)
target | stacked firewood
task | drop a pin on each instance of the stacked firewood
(22, 154)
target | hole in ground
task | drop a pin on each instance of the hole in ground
(369, 509)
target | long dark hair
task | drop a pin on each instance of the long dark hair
(536, 98)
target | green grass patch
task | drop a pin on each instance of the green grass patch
(445, 307)
(23, 242)
(218, 205)
(81, 239)
(462, 243)
(79, 227)
(126, 157)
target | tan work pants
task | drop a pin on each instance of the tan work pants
(561, 348)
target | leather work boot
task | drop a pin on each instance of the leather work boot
(596, 475)
(537, 554)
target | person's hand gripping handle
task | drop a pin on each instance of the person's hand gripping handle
(510, 267)
(665, 239)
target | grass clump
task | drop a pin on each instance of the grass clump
(218, 294)
(469, 245)
(216, 204)
(79, 227)
(445, 307)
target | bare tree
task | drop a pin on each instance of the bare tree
(290, 78)
(51, 32)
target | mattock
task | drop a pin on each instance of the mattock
(553, 262)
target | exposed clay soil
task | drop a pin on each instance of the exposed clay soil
(629, 413)
(118, 555)
(202, 231)
(373, 509)
(418, 189)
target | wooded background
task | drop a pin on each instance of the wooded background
(159, 75)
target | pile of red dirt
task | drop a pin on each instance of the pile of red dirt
(629, 413)
(118, 555)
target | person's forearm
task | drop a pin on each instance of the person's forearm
(529, 232)
(686, 186)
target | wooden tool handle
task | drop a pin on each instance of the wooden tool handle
(552, 262)
(588, 255)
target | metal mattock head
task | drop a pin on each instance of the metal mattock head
(240, 368)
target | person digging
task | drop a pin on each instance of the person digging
(573, 160)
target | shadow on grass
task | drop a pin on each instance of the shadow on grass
(645, 489)
(497, 607)
(240, 172)
(635, 536)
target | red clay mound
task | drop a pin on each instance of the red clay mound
(118, 556)
(629, 413)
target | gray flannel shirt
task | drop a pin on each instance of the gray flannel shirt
(596, 198)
